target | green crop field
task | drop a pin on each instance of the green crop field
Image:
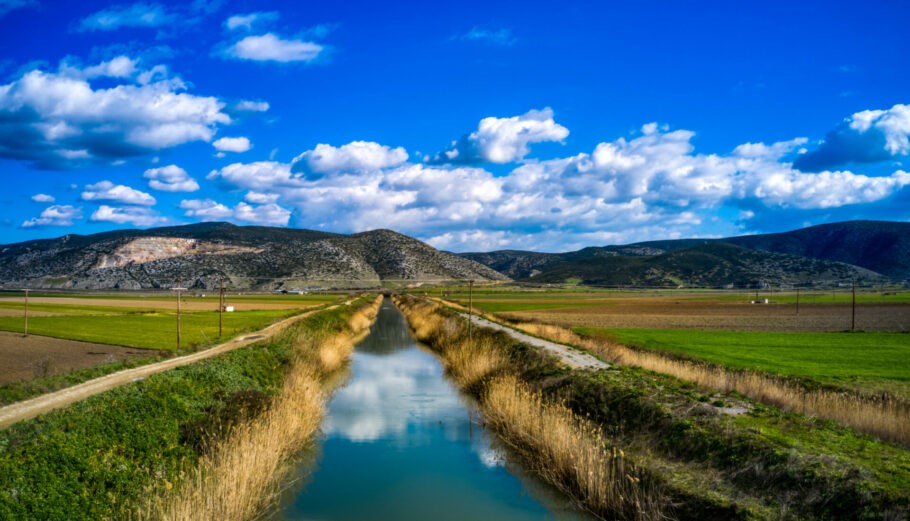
(145, 330)
(835, 358)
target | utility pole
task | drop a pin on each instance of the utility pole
(853, 310)
(178, 289)
(470, 306)
(797, 301)
(26, 312)
(221, 307)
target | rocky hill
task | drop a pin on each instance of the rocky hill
(246, 256)
(869, 251)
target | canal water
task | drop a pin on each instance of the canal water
(401, 443)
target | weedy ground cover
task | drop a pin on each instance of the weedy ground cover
(104, 457)
(714, 454)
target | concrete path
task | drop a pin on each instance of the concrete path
(570, 356)
(28, 409)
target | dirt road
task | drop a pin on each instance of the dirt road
(28, 409)
(570, 356)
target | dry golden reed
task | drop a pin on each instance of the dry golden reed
(566, 451)
(245, 471)
(884, 417)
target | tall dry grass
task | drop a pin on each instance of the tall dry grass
(245, 471)
(569, 452)
(885, 417)
(564, 450)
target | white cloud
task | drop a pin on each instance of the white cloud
(57, 215)
(205, 209)
(108, 191)
(247, 21)
(269, 47)
(170, 178)
(357, 156)
(135, 15)
(232, 144)
(251, 106)
(654, 185)
(260, 198)
(265, 215)
(269, 214)
(261, 175)
(134, 215)
(59, 121)
(869, 136)
(893, 124)
(43, 198)
(504, 140)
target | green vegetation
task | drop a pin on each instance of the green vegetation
(717, 455)
(18, 391)
(826, 357)
(153, 330)
(101, 457)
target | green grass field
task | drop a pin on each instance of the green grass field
(146, 330)
(825, 357)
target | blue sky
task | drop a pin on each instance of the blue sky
(472, 125)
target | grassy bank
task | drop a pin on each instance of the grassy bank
(700, 453)
(241, 473)
(558, 445)
(97, 458)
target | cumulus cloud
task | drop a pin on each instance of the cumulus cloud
(43, 198)
(108, 191)
(134, 15)
(135, 215)
(357, 156)
(60, 121)
(503, 140)
(261, 175)
(260, 198)
(248, 21)
(269, 214)
(232, 144)
(57, 215)
(205, 209)
(270, 47)
(869, 136)
(170, 178)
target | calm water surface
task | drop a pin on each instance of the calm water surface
(399, 443)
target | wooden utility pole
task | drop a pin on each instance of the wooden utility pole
(25, 328)
(221, 308)
(853, 310)
(178, 289)
(797, 301)
(470, 306)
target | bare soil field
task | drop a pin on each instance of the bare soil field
(670, 313)
(24, 358)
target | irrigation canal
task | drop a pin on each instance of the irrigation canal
(401, 443)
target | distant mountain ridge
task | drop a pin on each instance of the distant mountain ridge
(863, 250)
(255, 257)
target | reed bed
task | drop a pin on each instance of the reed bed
(569, 452)
(883, 416)
(244, 472)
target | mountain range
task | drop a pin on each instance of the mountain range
(269, 259)
(868, 251)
